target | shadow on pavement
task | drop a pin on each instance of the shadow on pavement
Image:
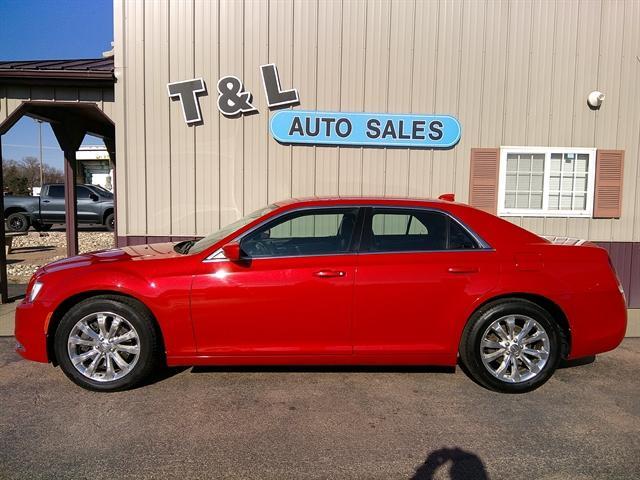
(324, 368)
(463, 465)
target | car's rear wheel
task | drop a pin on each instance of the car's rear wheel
(511, 346)
(17, 222)
(107, 343)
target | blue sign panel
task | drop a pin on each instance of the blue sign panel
(365, 129)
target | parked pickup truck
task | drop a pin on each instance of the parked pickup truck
(95, 206)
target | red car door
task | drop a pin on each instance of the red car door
(418, 273)
(292, 294)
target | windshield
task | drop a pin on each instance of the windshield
(102, 191)
(212, 238)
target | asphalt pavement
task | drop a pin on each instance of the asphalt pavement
(304, 423)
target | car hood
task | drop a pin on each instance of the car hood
(124, 254)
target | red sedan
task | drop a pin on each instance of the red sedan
(373, 281)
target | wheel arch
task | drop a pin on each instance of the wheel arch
(9, 210)
(543, 302)
(73, 300)
(107, 211)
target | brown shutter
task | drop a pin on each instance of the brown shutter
(483, 179)
(608, 191)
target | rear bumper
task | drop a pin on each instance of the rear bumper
(598, 323)
(31, 323)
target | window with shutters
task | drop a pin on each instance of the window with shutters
(548, 182)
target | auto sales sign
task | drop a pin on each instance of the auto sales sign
(305, 127)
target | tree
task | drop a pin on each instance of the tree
(21, 176)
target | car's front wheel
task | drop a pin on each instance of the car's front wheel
(107, 343)
(511, 346)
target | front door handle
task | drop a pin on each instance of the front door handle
(460, 269)
(329, 273)
(45, 201)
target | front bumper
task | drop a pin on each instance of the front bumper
(31, 324)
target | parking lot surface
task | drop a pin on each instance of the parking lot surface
(301, 423)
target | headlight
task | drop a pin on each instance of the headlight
(35, 290)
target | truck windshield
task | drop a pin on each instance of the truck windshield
(212, 238)
(102, 191)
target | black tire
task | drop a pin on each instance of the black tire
(150, 345)
(478, 324)
(18, 222)
(110, 222)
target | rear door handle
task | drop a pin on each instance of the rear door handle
(463, 270)
(329, 273)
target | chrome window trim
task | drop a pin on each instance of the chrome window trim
(478, 239)
(214, 257)
(218, 255)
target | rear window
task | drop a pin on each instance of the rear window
(416, 230)
(56, 191)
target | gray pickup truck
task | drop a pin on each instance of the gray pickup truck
(95, 206)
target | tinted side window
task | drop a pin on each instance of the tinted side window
(83, 193)
(309, 232)
(459, 238)
(416, 230)
(56, 191)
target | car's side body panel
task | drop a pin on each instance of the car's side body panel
(274, 306)
(386, 308)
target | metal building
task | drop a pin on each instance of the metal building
(516, 75)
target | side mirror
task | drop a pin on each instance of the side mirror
(232, 251)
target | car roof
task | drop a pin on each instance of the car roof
(359, 200)
(495, 231)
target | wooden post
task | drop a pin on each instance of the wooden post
(4, 286)
(69, 134)
(110, 143)
(70, 202)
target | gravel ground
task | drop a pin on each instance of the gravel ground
(36, 249)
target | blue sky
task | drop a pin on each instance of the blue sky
(43, 30)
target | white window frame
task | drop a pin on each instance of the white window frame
(544, 211)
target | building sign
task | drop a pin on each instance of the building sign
(365, 129)
(314, 127)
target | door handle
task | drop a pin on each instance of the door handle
(45, 201)
(463, 270)
(329, 273)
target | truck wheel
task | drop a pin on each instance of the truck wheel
(17, 222)
(110, 222)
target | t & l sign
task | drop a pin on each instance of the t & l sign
(315, 127)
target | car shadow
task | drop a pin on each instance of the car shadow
(463, 465)
(165, 373)
(324, 368)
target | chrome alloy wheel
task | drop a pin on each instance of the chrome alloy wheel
(515, 348)
(103, 346)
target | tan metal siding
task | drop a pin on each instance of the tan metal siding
(354, 26)
(305, 34)
(423, 90)
(376, 89)
(256, 127)
(513, 72)
(328, 89)
(156, 120)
